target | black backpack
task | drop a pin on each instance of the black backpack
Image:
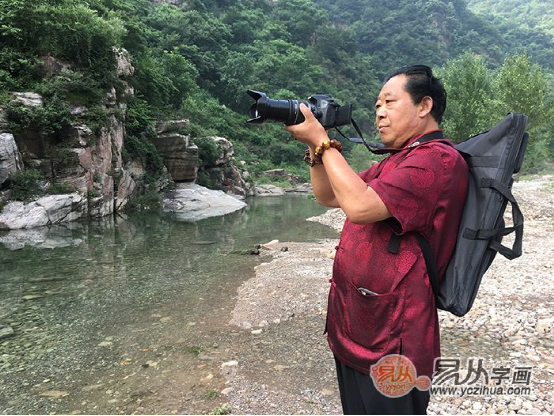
(492, 158)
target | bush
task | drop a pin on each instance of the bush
(150, 201)
(24, 184)
(138, 147)
(208, 151)
(51, 118)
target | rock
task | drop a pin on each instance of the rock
(232, 363)
(123, 62)
(4, 124)
(63, 208)
(53, 66)
(271, 245)
(18, 214)
(172, 126)
(268, 190)
(303, 188)
(179, 154)
(10, 158)
(280, 174)
(327, 392)
(226, 391)
(256, 331)
(54, 394)
(79, 135)
(28, 99)
(191, 202)
(6, 331)
(227, 150)
(78, 110)
(53, 209)
(125, 189)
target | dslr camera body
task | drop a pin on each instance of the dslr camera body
(328, 112)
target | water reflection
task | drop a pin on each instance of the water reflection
(83, 297)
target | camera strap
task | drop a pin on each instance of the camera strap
(379, 148)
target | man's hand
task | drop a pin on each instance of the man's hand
(310, 131)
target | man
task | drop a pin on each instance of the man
(381, 301)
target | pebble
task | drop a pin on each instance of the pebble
(227, 390)
(6, 331)
(232, 363)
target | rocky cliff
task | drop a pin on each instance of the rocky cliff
(86, 171)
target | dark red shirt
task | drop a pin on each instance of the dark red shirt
(424, 188)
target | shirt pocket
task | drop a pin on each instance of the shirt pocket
(369, 318)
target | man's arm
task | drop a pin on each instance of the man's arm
(323, 191)
(334, 182)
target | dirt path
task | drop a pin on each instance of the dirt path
(285, 367)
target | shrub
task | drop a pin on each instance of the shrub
(24, 184)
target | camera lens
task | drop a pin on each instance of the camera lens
(265, 108)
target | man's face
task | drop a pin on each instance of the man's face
(397, 117)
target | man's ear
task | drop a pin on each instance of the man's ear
(425, 106)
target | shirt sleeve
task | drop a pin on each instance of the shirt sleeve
(412, 188)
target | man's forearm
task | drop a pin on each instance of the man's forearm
(359, 202)
(323, 190)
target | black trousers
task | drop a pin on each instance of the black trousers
(360, 397)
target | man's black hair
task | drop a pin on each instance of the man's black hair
(422, 83)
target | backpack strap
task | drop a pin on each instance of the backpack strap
(429, 262)
(517, 218)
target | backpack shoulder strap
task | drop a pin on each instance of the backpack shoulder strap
(429, 262)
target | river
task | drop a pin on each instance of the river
(114, 316)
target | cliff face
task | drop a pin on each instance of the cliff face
(86, 170)
(88, 165)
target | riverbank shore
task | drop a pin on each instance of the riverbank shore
(290, 370)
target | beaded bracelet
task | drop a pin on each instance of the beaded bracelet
(318, 152)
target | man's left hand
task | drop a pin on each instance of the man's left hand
(310, 131)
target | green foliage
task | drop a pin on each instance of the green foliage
(471, 101)
(149, 201)
(50, 118)
(197, 59)
(478, 98)
(221, 410)
(212, 394)
(60, 188)
(24, 184)
(139, 147)
(208, 151)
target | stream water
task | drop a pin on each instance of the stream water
(117, 316)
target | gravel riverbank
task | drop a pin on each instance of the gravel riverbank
(288, 368)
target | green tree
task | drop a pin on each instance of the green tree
(470, 105)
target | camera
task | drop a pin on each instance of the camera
(325, 109)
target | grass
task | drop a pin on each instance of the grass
(212, 394)
(195, 350)
(221, 410)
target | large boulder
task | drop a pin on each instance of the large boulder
(28, 99)
(48, 210)
(179, 153)
(223, 174)
(268, 190)
(227, 150)
(123, 62)
(192, 202)
(53, 66)
(10, 158)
